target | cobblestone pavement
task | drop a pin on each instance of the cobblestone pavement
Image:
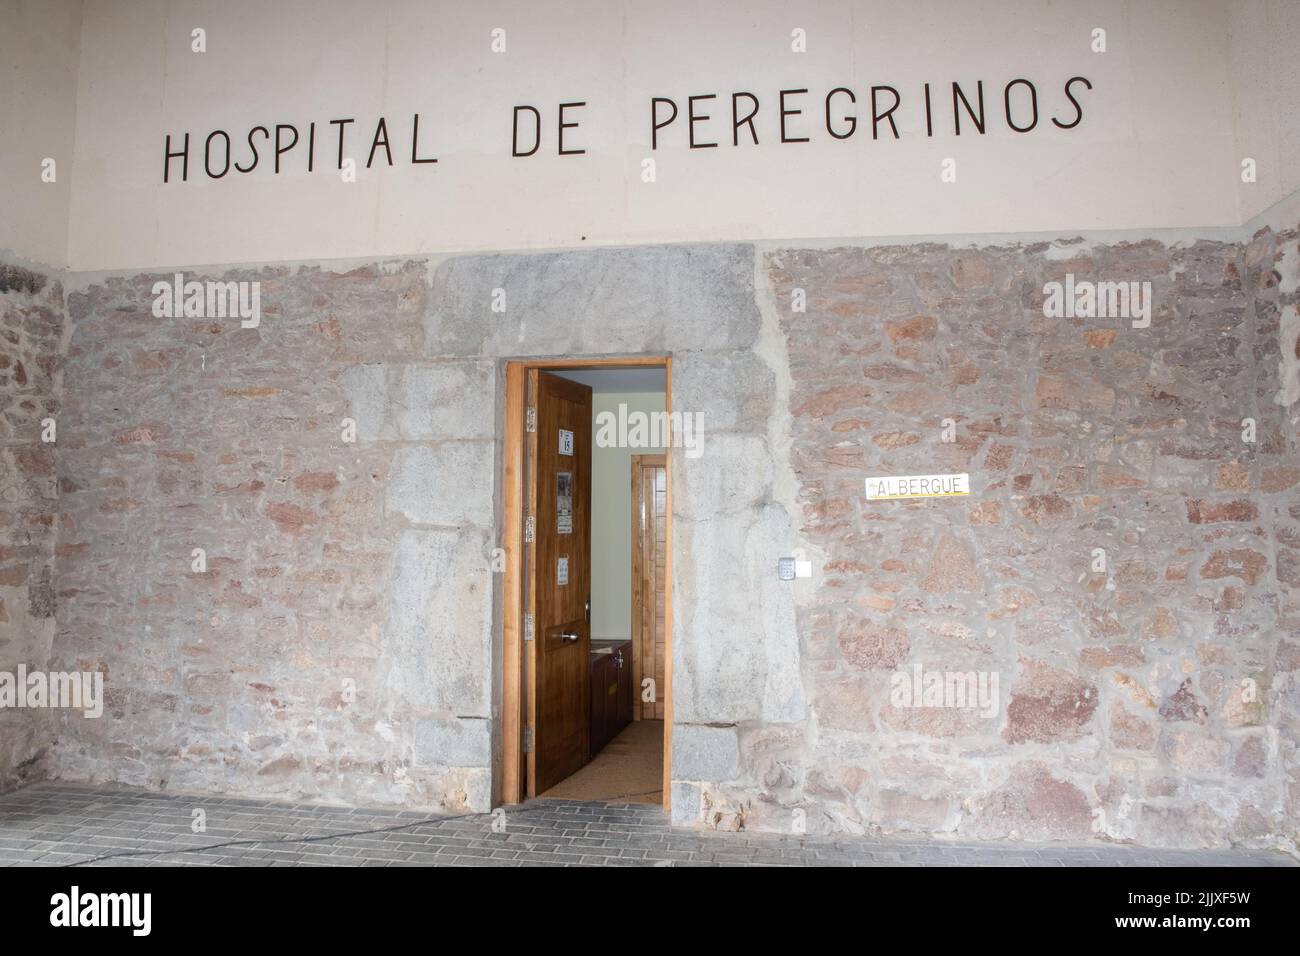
(58, 824)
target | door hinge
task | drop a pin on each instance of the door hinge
(532, 418)
(528, 627)
(528, 740)
(530, 529)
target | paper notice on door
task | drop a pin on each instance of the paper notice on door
(564, 502)
(562, 571)
(566, 442)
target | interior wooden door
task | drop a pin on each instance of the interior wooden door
(559, 577)
(649, 576)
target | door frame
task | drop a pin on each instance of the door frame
(518, 701)
(639, 464)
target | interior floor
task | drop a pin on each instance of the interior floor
(630, 769)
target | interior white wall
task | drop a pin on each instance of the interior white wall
(611, 518)
(39, 50)
(1155, 149)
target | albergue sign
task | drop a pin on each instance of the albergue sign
(734, 119)
(918, 486)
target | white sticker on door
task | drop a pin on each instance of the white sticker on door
(564, 502)
(566, 442)
(562, 571)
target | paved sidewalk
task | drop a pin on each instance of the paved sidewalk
(59, 825)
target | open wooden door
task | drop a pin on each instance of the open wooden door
(649, 581)
(558, 577)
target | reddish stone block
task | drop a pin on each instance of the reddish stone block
(830, 400)
(1232, 477)
(1121, 655)
(1273, 480)
(1244, 563)
(1128, 731)
(15, 576)
(891, 440)
(952, 568)
(1251, 759)
(141, 435)
(1161, 624)
(999, 457)
(972, 272)
(311, 481)
(1048, 704)
(986, 513)
(893, 373)
(1052, 392)
(290, 518)
(920, 328)
(870, 646)
(1200, 511)
(844, 702)
(1047, 510)
(1183, 705)
(1288, 567)
(1032, 805)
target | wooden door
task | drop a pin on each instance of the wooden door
(559, 576)
(649, 579)
(623, 675)
(599, 703)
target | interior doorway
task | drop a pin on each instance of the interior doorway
(649, 540)
(587, 612)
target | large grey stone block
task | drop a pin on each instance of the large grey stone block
(732, 475)
(437, 638)
(449, 484)
(686, 802)
(643, 299)
(732, 391)
(366, 387)
(705, 753)
(455, 742)
(736, 653)
(454, 400)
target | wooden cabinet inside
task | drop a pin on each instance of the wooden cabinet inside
(611, 691)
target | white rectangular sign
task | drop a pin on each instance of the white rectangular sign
(918, 486)
(564, 502)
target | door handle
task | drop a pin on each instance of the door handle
(569, 637)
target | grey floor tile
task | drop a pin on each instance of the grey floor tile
(60, 825)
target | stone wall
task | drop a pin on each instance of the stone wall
(1139, 683)
(334, 641)
(343, 642)
(1272, 268)
(31, 330)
